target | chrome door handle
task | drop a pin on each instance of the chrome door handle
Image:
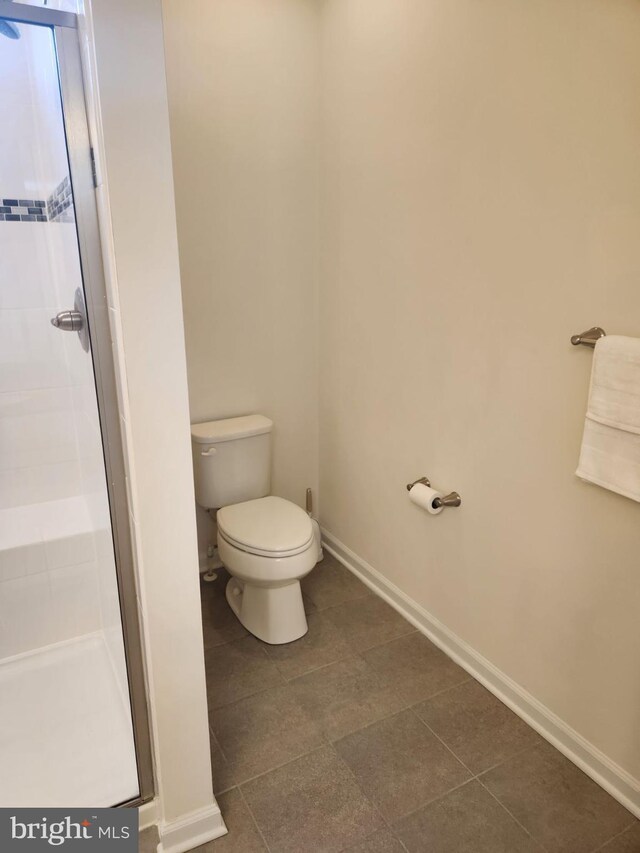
(68, 321)
(75, 320)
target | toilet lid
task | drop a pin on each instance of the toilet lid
(270, 526)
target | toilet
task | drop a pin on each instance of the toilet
(266, 543)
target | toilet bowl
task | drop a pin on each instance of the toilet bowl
(267, 545)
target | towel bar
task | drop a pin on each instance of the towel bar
(588, 338)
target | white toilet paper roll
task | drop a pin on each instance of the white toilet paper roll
(424, 497)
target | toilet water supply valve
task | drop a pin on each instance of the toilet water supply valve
(210, 574)
(213, 562)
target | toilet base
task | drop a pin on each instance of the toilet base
(274, 614)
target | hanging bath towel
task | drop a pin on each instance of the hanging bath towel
(610, 454)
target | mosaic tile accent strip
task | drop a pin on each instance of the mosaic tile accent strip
(57, 208)
(60, 203)
(23, 210)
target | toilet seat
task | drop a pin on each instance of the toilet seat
(267, 527)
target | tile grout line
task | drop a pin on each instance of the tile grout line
(440, 692)
(249, 696)
(617, 835)
(212, 734)
(446, 746)
(368, 800)
(324, 609)
(511, 815)
(392, 640)
(475, 777)
(408, 706)
(326, 740)
(433, 800)
(384, 719)
(231, 787)
(254, 819)
(286, 763)
(217, 743)
(408, 703)
(509, 812)
(375, 832)
(504, 760)
(440, 797)
(326, 744)
(352, 653)
(372, 835)
(331, 745)
(315, 668)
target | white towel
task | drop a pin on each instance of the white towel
(610, 454)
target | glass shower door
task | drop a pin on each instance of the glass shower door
(67, 735)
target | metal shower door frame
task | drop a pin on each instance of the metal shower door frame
(64, 26)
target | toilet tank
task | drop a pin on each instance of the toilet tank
(231, 460)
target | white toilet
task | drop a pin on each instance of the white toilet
(266, 543)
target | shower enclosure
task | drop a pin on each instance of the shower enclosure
(73, 724)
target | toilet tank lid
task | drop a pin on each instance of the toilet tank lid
(213, 432)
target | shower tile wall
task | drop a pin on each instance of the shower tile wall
(40, 458)
(48, 569)
(23, 210)
(57, 208)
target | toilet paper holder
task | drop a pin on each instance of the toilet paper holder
(452, 499)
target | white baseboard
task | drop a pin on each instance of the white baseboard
(191, 831)
(613, 778)
(147, 814)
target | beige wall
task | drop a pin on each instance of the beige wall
(130, 131)
(480, 202)
(481, 190)
(242, 79)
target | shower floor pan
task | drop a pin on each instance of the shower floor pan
(65, 731)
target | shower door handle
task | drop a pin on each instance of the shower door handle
(75, 320)
(68, 321)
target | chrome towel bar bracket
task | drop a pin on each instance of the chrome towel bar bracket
(452, 499)
(588, 338)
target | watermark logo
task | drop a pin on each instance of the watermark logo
(73, 830)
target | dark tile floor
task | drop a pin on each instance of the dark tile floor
(364, 737)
